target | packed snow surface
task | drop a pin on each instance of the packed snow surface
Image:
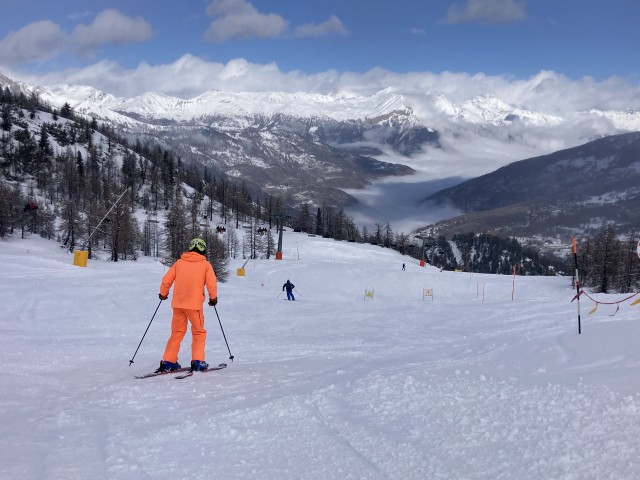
(486, 379)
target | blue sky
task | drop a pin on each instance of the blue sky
(87, 41)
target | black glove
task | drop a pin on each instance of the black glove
(162, 297)
(213, 302)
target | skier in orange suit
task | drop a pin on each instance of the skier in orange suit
(190, 274)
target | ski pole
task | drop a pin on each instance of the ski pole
(279, 295)
(145, 332)
(299, 293)
(225, 337)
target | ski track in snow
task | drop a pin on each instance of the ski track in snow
(329, 386)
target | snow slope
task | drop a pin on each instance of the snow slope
(469, 385)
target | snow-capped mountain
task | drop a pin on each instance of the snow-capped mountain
(155, 106)
(628, 120)
(490, 110)
(241, 107)
(310, 146)
(421, 121)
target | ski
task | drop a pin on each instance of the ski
(155, 374)
(210, 369)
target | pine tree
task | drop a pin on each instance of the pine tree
(71, 224)
(177, 232)
(216, 254)
(6, 120)
(303, 221)
(231, 243)
(629, 276)
(123, 232)
(388, 236)
(66, 111)
(319, 225)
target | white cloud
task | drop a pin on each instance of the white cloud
(111, 27)
(240, 19)
(492, 11)
(37, 41)
(187, 77)
(417, 31)
(45, 40)
(331, 26)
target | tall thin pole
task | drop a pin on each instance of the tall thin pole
(84, 247)
(577, 281)
(225, 337)
(145, 333)
(280, 225)
(424, 244)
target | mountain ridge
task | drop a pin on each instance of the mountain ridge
(578, 189)
(484, 109)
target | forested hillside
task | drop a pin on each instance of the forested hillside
(607, 263)
(62, 173)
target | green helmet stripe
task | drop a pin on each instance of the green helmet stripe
(198, 244)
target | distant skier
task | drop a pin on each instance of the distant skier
(403, 267)
(191, 273)
(289, 287)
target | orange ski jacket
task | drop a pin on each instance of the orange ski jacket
(191, 273)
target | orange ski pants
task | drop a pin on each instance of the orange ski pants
(179, 329)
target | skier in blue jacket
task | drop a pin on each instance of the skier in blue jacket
(289, 287)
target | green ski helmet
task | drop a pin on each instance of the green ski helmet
(198, 245)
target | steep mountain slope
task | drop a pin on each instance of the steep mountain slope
(578, 189)
(305, 147)
(281, 162)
